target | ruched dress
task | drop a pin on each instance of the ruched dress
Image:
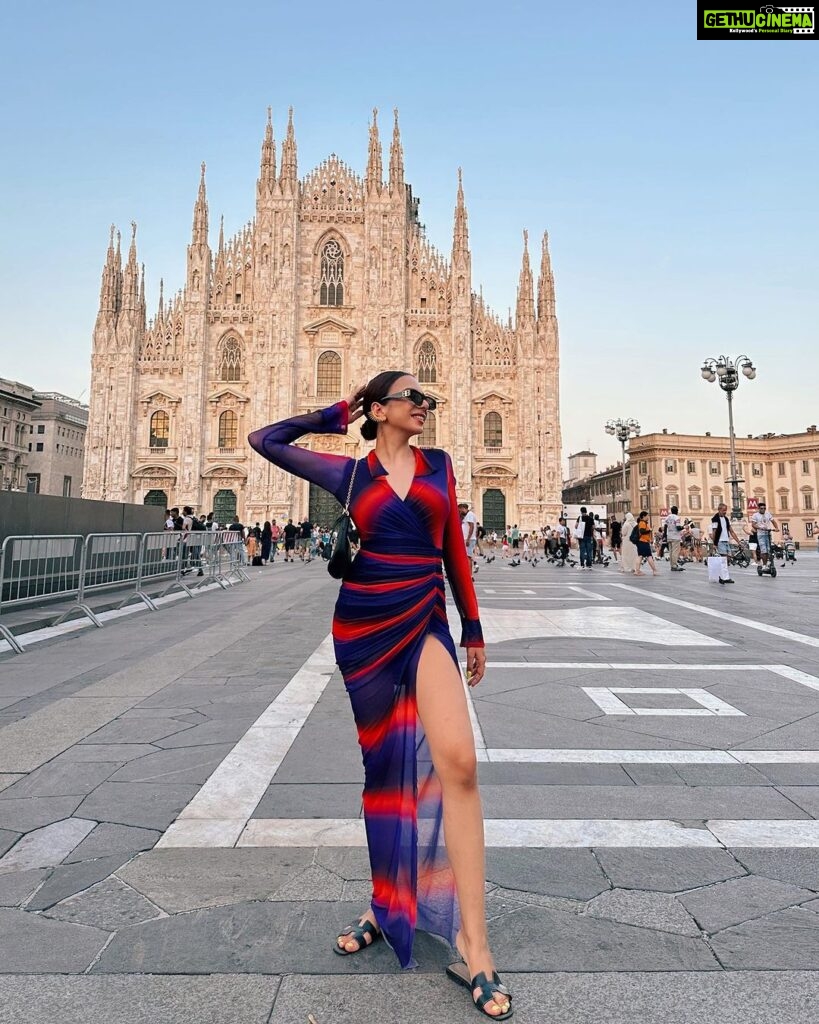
(390, 601)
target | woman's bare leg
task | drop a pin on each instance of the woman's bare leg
(444, 716)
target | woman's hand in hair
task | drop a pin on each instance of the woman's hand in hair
(353, 401)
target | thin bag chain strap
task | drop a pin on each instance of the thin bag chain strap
(350, 489)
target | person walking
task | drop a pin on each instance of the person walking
(644, 553)
(673, 533)
(615, 537)
(722, 533)
(267, 542)
(628, 547)
(584, 532)
(400, 669)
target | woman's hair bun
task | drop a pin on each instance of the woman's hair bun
(369, 430)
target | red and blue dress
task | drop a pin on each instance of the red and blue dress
(390, 601)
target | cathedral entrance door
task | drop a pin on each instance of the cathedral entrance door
(155, 497)
(324, 509)
(224, 506)
(494, 510)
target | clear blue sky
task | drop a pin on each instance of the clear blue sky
(677, 178)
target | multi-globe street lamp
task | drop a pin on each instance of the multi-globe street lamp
(623, 430)
(726, 370)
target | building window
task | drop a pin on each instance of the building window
(783, 502)
(228, 429)
(739, 469)
(715, 468)
(691, 466)
(642, 467)
(328, 378)
(160, 429)
(33, 483)
(66, 486)
(805, 466)
(716, 501)
(331, 284)
(671, 465)
(39, 446)
(756, 469)
(41, 428)
(780, 468)
(672, 499)
(492, 430)
(694, 502)
(427, 363)
(807, 501)
(230, 360)
(429, 435)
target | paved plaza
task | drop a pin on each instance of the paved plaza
(180, 816)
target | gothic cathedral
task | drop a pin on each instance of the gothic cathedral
(332, 281)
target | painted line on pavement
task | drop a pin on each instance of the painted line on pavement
(740, 620)
(529, 833)
(539, 755)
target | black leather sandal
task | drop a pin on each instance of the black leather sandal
(358, 932)
(460, 974)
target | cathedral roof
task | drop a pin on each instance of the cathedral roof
(332, 185)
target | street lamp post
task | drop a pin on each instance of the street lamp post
(726, 370)
(623, 430)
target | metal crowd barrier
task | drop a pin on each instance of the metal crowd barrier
(34, 570)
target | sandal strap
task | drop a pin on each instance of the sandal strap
(488, 989)
(358, 932)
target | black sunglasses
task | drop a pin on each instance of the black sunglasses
(415, 396)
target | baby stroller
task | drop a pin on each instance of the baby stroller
(739, 554)
(786, 551)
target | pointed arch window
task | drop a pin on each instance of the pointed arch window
(228, 429)
(160, 429)
(427, 363)
(331, 282)
(328, 377)
(429, 436)
(493, 430)
(230, 360)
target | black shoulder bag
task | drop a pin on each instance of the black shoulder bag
(342, 557)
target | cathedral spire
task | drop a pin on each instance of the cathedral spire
(460, 235)
(221, 249)
(267, 170)
(111, 287)
(130, 278)
(289, 173)
(375, 171)
(396, 157)
(200, 214)
(525, 311)
(546, 284)
(161, 311)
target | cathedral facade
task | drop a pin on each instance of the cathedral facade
(332, 281)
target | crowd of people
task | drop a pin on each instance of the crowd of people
(261, 542)
(632, 543)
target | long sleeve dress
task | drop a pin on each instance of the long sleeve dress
(390, 601)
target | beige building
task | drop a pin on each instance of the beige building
(693, 472)
(331, 281)
(581, 465)
(57, 445)
(17, 405)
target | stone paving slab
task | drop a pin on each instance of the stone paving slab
(220, 999)
(110, 839)
(665, 870)
(741, 899)
(7, 839)
(144, 804)
(628, 998)
(789, 939)
(33, 944)
(45, 847)
(183, 880)
(69, 879)
(800, 867)
(109, 904)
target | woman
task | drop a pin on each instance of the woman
(628, 550)
(267, 542)
(644, 552)
(400, 669)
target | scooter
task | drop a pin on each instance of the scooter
(766, 570)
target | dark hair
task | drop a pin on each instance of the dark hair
(378, 388)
